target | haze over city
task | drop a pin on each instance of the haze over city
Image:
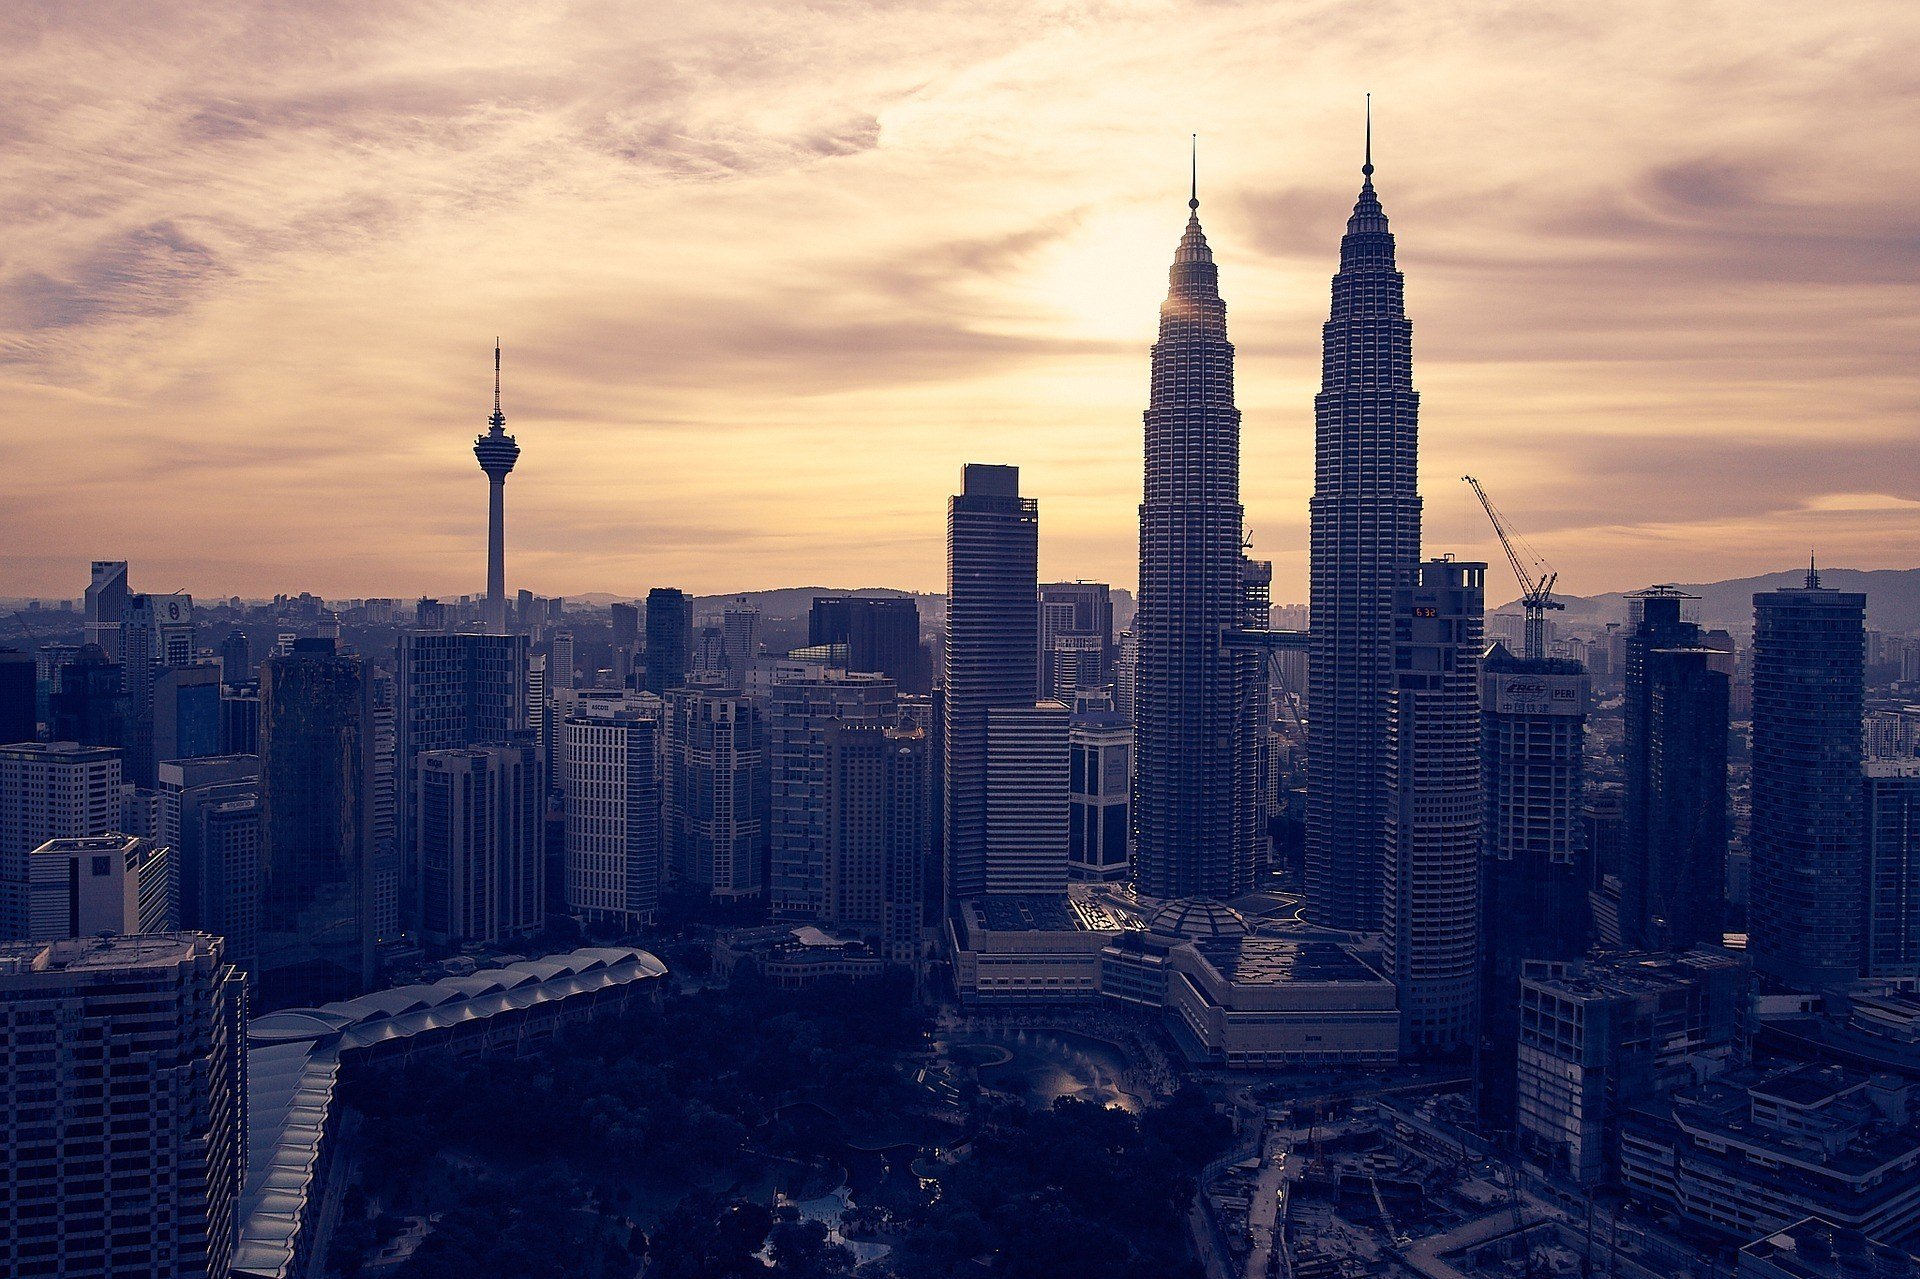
(766, 277)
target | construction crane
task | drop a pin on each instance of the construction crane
(1536, 575)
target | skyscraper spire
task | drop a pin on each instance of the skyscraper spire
(1366, 170)
(1193, 199)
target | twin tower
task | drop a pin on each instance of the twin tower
(1200, 623)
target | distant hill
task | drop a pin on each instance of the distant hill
(1893, 598)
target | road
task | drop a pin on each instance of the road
(1263, 1212)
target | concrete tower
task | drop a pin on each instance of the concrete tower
(1365, 534)
(497, 453)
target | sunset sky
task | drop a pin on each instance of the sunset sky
(768, 274)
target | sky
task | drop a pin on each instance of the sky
(768, 274)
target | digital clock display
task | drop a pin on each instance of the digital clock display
(1426, 612)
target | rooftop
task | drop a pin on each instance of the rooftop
(100, 954)
(1274, 961)
(1815, 1249)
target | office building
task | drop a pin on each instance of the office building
(209, 814)
(316, 787)
(609, 760)
(240, 719)
(1194, 758)
(802, 710)
(236, 658)
(122, 1128)
(156, 635)
(669, 652)
(106, 606)
(881, 635)
(89, 703)
(49, 790)
(1809, 872)
(1365, 534)
(1028, 798)
(625, 620)
(1598, 1038)
(1672, 878)
(717, 786)
(878, 838)
(1535, 872)
(1890, 827)
(186, 712)
(993, 641)
(384, 820)
(1099, 774)
(1076, 638)
(478, 827)
(452, 692)
(101, 884)
(1430, 880)
(740, 637)
(1893, 734)
(19, 697)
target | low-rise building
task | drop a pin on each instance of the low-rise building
(795, 957)
(1757, 1150)
(1816, 1249)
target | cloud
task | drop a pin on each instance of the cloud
(768, 274)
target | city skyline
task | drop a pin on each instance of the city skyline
(971, 250)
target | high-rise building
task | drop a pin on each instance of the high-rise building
(478, 826)
(1028, 798)
(716, 782)
(496, 452)
(1100, 772)
(155, 635)
(1809, 889)
(452, 691)
(19, 697)
(123, 1125)
(384, 823)
(993, 641)
(877, 835)
(1891, 828)
(1430, 875)
(316, 763)
(625, 619)
(881, 635)
(240, 719)
(209, 814)
(90, 704)
(740, 637)
(1674, 848)
(1534, 866)
(1076, 638)
(669, 639)
(236, 658)
(1194, 760)
(186, 712)
(802, 710)
(609, 758)
(49, 790)
(106, 606)
(1126, 671)
(1365, 533)
(101, 884)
